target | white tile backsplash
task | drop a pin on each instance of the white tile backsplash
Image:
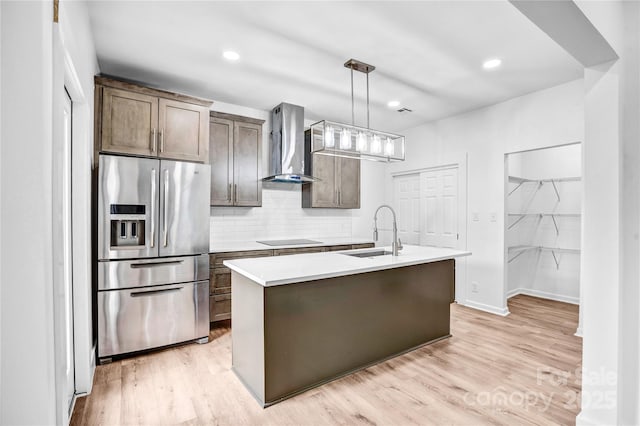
(281, 216)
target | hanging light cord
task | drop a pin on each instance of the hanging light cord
(353, 108)
(353, 114)
(367, 97)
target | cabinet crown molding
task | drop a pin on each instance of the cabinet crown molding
(234, 117)
(134, 86)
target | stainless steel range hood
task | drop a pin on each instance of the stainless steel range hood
(286, 155)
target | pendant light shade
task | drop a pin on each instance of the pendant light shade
(356, 142)
(349, 140)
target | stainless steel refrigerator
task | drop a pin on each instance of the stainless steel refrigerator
(153, 243)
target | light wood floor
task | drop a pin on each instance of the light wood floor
(520, 369)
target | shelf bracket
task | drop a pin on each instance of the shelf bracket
(555, 258)
(556, 225)
(516, 222)
(555, 189)
(515, 189)
(516, 256)
(520, 253)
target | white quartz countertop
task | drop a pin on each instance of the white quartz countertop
(279, 270)
(227, 246)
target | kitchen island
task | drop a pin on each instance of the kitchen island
(300, 321)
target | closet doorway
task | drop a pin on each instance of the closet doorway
(543, 205)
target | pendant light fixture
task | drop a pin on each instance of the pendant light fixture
(349, 140)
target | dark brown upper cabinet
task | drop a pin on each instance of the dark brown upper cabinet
(338, 186)
(235, 154)
(138, 120)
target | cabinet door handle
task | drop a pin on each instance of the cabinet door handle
(162, 140)
(229, 192)
(235, 192)
(154, 140)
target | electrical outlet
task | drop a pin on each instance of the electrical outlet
(475, 216)
(474, 287)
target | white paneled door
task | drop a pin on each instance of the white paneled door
(427, 207)
(440, 203)
(407, 202)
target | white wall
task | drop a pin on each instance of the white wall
(1, 168)
(557, 162)
(611, 252)
(535, 272)
(372, 195)
(27, 381)
(601, 252)
(280, 216)
(546, 118)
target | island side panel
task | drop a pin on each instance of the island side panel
(319, 330)
(247, 339)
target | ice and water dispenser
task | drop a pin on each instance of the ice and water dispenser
(127, 225)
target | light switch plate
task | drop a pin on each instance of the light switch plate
(475, 216)
(493, 216)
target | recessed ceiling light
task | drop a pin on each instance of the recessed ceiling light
(231, 55)
(393, 104)
(491, 63)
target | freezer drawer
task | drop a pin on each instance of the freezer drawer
(145, 318)
(120, 274)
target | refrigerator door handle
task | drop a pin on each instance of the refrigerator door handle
(153, 208)
(166, 208)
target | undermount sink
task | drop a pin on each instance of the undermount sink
(369, 253)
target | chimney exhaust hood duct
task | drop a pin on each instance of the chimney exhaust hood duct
(286, 156)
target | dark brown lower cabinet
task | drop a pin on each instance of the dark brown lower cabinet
(219, 307)
(338, 248)
(220, 275)
(287, 251)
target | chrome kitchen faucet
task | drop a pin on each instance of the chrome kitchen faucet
(396, 245)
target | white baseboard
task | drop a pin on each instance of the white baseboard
(578, 332)
(486, 308)
(544, 295)
(512, 293)
(582, 420)
(92, 366)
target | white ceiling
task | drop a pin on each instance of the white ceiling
(428, 55)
